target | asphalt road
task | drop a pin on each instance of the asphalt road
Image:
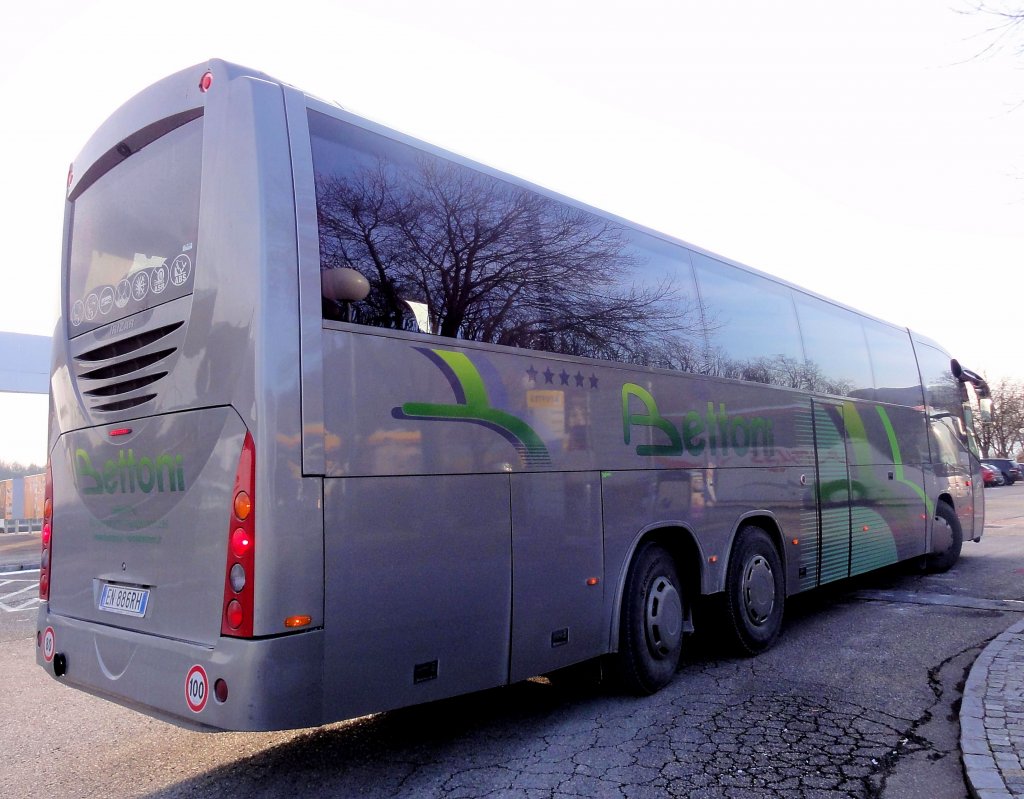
(18, 551)
(858, 699)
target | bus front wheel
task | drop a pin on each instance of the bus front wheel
(946, 528)
(755, 594)
(653, 622)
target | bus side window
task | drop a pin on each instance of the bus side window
(837, 354)
(751, 325)
(455, 251)
(893, 364)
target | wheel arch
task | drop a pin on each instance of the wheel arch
(680, 541)
(767, 522)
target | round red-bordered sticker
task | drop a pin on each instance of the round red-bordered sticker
(197, 688)
(49, 644)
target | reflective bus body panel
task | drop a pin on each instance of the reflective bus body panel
(449, 515)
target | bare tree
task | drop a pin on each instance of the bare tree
(1004, 437)
(1007, 26)
(15, 469)
(496, 263)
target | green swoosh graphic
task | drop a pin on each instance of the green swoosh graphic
(476, 408)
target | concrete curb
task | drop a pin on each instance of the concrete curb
(992, 719)
(18, 567)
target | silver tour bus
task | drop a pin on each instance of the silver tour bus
(341, 422)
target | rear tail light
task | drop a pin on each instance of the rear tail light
(46, 538)
(240, 571)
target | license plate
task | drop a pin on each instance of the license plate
(124, 599)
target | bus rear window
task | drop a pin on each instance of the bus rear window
(133, 234)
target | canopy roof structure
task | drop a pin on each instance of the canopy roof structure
(24, 363)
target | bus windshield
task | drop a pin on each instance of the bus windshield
(134, 232)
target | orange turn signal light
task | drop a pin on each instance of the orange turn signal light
(297, 621)
(243, 506)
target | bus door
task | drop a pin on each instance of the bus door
(832, 472)
(889, 507)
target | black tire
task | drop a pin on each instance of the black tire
(938, 562)
(653, 622)
(755, 591)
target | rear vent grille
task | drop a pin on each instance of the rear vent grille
(113, 376)
(125, 386)
(123, 404)
(126, 367)
(126, 345)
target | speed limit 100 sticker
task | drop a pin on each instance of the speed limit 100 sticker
(49, 644)
(197, 688)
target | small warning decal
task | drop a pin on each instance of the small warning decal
(196, 689)
(49, 644)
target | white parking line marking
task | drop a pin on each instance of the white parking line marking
(14, 609)
(5, 599)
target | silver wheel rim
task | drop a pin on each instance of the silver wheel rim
(758, 589)
(663, 617)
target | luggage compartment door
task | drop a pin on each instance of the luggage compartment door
(418, 589)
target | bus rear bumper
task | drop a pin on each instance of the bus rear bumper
(271, 683)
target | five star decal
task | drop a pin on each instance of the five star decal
(564, 378)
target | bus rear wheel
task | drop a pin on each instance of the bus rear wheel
(653, 622)
(755, 594)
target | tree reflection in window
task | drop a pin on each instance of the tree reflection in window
(777, 370)
(497, 263)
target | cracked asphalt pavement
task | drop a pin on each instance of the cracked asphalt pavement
(859, 698)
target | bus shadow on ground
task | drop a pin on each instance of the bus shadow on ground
(471, 745)
(426, 750)
(712, 642)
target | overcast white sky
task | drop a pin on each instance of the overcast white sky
(858, 149)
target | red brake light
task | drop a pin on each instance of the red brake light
(206, 82)
(240, 569)
(46, 538)
(240, 543)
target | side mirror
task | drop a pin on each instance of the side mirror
(967, 376)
